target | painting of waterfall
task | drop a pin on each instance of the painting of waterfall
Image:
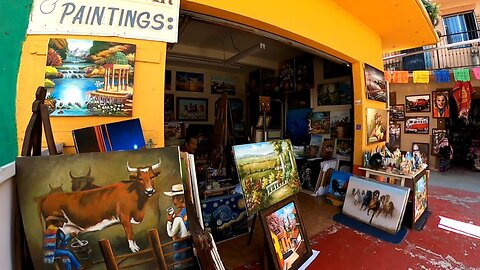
(89, 78)
(267, 172)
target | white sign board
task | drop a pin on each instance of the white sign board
(148, 19)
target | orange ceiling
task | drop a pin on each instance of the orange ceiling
(401, 24)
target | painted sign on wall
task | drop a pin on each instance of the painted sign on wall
(149, 20)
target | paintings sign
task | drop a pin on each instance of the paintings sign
(169, 104)
(286, 235)
(222, 84)
(89, 78)
(376, 203)
(135, 188)
(267, 172)
(418, 103)
(341, 125)
(397, 112)
(339, 93)
(420, 197)
(375, 84)
(421, 149)
(338, 184)
(192, 109)
(439, 139)
(376, 125)
(319, 123)
(189, 81)
(225, 216)
(441, 104)
(417, 124)
(394, 134)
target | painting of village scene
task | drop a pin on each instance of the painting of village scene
(286, 235)
(375, 203)
(267, 172)
(319, 123)
(139, 191)
(222, 84)
(89, 78)
(421, 198)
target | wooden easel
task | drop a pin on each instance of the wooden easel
(32, 144)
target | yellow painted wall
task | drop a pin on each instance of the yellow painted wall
(148, 89)
(322, 25)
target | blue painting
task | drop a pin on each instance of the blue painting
(225, 216)
(89, 78)
(338, 184)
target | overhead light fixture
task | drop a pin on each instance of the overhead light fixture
(248, 52)
(191, 59)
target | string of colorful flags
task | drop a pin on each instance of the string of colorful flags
(423, 76)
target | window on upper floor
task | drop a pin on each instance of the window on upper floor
(461, 27)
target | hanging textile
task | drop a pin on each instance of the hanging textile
(476, 71)
(462, 92)
(461, 75)
(421, 76)
(400, 77)
(388, 75)
(442, 76)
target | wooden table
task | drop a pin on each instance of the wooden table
(394, 176)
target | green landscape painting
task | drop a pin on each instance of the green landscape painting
(267, 172)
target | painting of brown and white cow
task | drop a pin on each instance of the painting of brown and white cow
(126, 202)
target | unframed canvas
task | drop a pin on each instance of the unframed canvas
(286, 235)
(376, 203)
(97, 188)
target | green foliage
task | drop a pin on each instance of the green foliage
(118, 58)
(433, 10)
(99, 46)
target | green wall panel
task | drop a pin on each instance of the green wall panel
(14, 16)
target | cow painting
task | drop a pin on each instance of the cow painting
(95, 209)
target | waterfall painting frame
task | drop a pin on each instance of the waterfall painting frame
(89, 78)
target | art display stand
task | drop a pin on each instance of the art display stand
(32, 144)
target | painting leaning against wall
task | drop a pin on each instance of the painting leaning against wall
(135, 188)
(89, 78)
(267, 172)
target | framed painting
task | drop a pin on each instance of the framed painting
(127, 192)
(339, 93)
(438, 140)
(376, 203)
(441, 104)
(397, 112)
(285, 233)
(267, 172)
(417, 124)
(340, 124)
(222, 84)
(376, 86)
(169, 103)
(421, 149)
(417, 103)
(225, 216)
(338, 184)
(286, 74)
(304, 72)
(319, 123)
(174, 130)
(420, 200)
(192, 109)
(189, 81)
(376, 125)
(344, 147)
(394, 135)
(89, 78)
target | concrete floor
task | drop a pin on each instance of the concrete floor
(456, 178)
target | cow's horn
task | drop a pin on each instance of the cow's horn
(71, 176)
(50, 185)
(130, 169)
(156, 166)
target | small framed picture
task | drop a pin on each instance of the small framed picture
(421, 149)
(189, 81)
(441, 106)
(192, 109)
(417, 124)
(397, 112)
(394, 135)
(419, 103)
(283, 224)
(438, 138)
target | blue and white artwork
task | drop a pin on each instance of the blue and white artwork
(225, 216)
(338, 184)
